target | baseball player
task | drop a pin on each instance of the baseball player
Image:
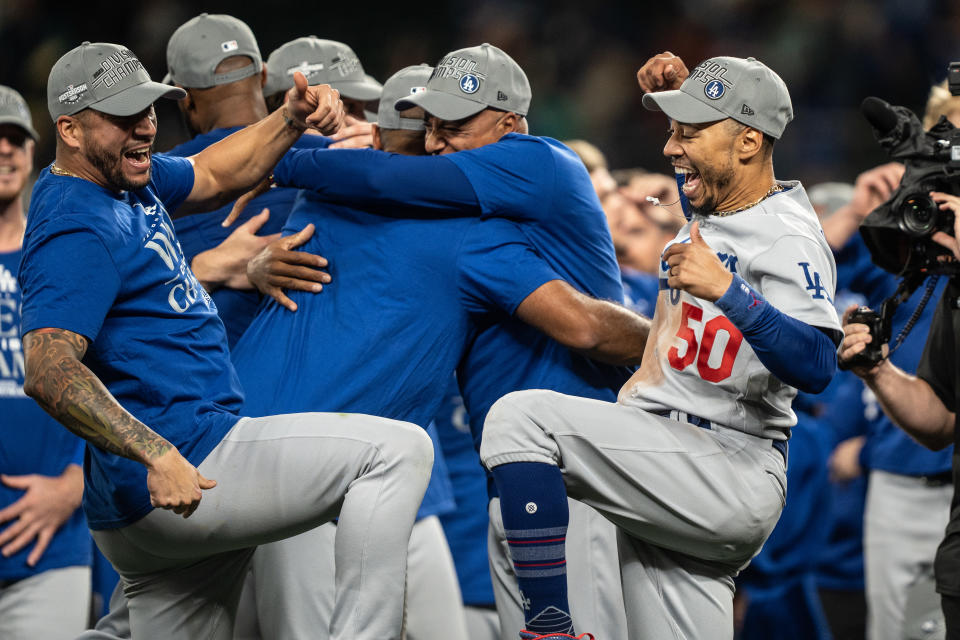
(690, 462)
(476, 101)
(455, 268)
(124, 348)
(45, 562)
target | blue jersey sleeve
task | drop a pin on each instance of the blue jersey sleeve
(499, 268)
(172, 179)
(383, 183)
(797, 353)
(69, 281)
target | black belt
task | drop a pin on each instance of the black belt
(703, 423)
(941, 479)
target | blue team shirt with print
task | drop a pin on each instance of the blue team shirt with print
(107, 265)
(385, 334)
(537, 182)
(31, 441)
(202, 231)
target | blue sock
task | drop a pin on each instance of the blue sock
(533, 502)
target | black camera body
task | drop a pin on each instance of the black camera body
(898, 232)
(879, 331)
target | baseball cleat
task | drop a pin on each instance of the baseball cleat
(533, 635)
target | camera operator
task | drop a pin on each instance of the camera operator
(924, 405)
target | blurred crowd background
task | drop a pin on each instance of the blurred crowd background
(581, 57)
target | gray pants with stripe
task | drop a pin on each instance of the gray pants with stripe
(692, 505)
(279, 476)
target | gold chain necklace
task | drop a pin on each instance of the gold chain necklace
(776, 188)
(57, 171)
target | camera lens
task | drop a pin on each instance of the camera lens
(918, 214)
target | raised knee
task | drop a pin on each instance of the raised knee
(514, 407)
(412, 445)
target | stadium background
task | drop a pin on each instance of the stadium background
(580, 56)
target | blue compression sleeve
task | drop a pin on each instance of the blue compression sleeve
(385, 183)
(799, 354)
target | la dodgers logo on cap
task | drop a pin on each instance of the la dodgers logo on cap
(714, 90)
(469, 83)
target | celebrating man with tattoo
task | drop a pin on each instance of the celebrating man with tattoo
(124, 347)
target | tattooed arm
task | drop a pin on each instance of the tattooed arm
(71, 393)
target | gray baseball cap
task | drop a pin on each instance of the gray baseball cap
(745, 90)
(467, 81)
(105, 77)
(13, 110)
(403, 84)
(200, 44)
(322, 62)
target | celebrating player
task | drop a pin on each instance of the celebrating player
(123, 346)
(690, 463)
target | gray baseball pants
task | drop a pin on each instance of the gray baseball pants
(279, 476)
(693, 505)
(52, 605)
(293, 585)
(593, 575)
(904, 522)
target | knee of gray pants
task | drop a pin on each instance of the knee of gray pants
(407, 445)
(512, 434)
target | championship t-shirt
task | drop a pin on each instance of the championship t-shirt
(31, 442)
(107, 266)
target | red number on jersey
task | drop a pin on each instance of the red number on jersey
(701, 352)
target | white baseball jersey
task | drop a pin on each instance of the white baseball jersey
(696, 360)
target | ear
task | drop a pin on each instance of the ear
(377, 142)
(749, 143)
(509, 123)
(263, 75)
(70, 130)
(29, 148)
(187, 102)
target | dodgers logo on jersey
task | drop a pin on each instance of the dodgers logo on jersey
(469, 83)
(714, 90)
(815, 283)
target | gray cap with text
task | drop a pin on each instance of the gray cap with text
(467, 81)
(14, 110)
(105, 77)
(745, 90)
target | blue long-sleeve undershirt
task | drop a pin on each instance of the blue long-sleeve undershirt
(384, 183)
(799, 354)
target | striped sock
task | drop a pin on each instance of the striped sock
(533, 502)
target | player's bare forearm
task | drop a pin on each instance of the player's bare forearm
(71, 393)
(912, 404)
(621, 335)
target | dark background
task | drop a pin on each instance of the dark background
(580, 55)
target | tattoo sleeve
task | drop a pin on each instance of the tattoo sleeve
(71, 393)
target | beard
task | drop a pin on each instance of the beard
(110, 166)
(718, 178)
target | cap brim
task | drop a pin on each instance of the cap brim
(20, 123)
(358, 90)
(135, 99)
(682, 107)
(441, 105)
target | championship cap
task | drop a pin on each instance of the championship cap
(13, 110)
(105, 77)
(322, 62)
(467, 81)
(403, 84)
(200, 44)
(745, 90)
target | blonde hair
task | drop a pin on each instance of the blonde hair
(940, 103)
(589, 154)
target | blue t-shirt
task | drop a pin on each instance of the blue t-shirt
(889, 448)
(108, 266)
(385, 334)
(31, 442)
(466, 527)
(202, 231)
(537, 182)
(640, 291)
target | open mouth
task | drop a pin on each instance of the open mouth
(691, 181)
(139, 158)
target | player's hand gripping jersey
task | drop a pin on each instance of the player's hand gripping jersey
(697, 361)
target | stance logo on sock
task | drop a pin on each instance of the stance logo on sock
(551, 620)
(531, 507)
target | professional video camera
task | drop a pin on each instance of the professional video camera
(899, 232)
